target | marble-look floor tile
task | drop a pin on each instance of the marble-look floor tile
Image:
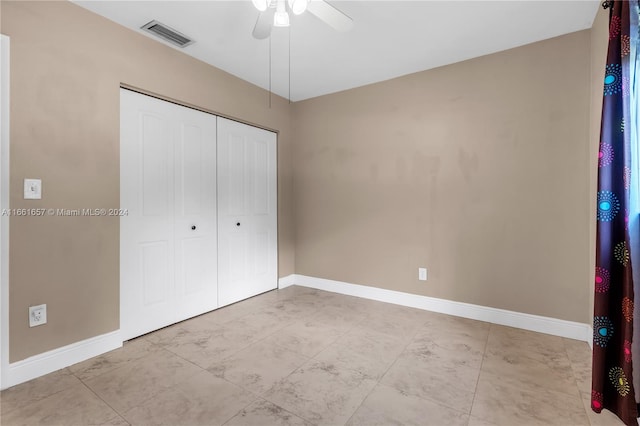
(313, 300)
(349, 304)
(580, 356)
(260, 303)
(300, 356)
(259, 366)
(300, 292)
(578, 351)
(308, 337)
(402, 313)
(390, 326)
(130, 351)
(202, 399)
(35, 390)
(451, 350)
(321, 393)
(262, 300)
(207, 344)
(308, 297)
(263, 413)
(440, 326)
(76, 405)
(294, 310)
(192, 331)
(366, 351)
(228, 313)
(474, 421)
(395, 322)
(554, 373)
(317, 299)
(450, 386)
(386, 406)
(515, 342)
(340, 316)
(582, 376)
(116, 421)
(133, 383)
(504, 404)
(264, 322)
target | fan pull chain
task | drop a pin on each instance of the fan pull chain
(289, 65)
(269, 72)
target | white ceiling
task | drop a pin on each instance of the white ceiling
(389, 38)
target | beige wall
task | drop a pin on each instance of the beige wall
(66, 67)
(476, 170)
(599, 45)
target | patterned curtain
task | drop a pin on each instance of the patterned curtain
(612, 384)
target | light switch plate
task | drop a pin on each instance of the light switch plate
(32, 189)
(422, 274)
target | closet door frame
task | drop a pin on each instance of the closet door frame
(276, 245)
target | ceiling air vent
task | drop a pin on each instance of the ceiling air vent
(167, 34)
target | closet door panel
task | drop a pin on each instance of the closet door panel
(264, 211)
(232, 223)
(195, 213)
(154, 268)
(146, 233)
(247, 211)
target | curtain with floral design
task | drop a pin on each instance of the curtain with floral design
(616, 246)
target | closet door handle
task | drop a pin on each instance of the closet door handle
(193, 227)
(238, 224)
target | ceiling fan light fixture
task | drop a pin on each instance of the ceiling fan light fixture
(298, 6)
(261, 5)
(281, 19)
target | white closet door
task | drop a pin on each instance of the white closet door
(247, 211)
(167, 184)
(195, 213)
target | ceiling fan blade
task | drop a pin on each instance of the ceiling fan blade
(262, 29)
(330, 15)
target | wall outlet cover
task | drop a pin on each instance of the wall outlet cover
(37, 315)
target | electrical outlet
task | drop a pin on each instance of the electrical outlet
(37, 315)
(422, 274)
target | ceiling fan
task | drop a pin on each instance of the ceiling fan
(273, 13)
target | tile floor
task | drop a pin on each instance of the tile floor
(299, 356)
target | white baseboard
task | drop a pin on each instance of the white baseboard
(540, 324)
(48, 362)
(287, 281)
